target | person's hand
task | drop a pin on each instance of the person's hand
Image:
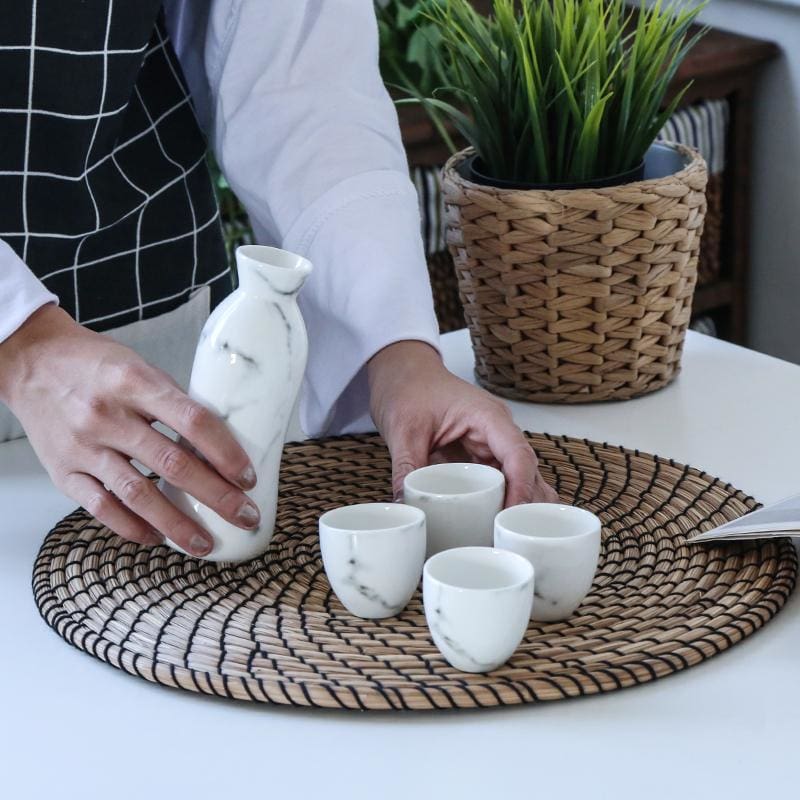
(87, 405)
(427, 414)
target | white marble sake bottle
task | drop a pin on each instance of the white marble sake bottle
(248, 368)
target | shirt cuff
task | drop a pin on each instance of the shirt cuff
(21, 292)
(370, 288)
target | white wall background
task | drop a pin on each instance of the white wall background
(775, 241)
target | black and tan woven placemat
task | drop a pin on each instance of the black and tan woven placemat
(271, 630)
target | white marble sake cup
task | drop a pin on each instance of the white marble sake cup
(563, 545)
(460, 502)
(373, 555)
(477, 604)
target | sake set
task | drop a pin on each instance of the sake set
(485, 571)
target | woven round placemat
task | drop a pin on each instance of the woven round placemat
(271, 630)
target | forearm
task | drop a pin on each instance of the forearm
(401, 359)
(18, 352)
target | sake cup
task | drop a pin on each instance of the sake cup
(477, 605)
(563, 545)
(460, 502)
(373, 555)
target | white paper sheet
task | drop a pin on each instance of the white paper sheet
(777, 520)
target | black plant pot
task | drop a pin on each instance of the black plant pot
(472, 169)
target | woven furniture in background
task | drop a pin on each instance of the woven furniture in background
(580, 295)
(444, 284)
(704, 126)
(442, 273)
(271, 631)
(709, 265)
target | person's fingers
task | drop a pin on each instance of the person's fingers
(519, 467)
(455, 452)
(516, 458)
(409, 449)
(543, 492)
(140, 495)
(524, 484)
(203, 429)
(458, 453)
(104, 507)
(185, 471)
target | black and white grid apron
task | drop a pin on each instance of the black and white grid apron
(104, 188)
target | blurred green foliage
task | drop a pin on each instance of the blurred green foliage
(409, 46)
(411, 50)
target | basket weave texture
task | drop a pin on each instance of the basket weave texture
(577, 295)
(272, 631)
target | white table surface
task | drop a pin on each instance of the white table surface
(72, 726)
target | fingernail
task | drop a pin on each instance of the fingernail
(247, 480)
(199, 545)
(248, 514)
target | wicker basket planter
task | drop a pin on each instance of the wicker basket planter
(577, 295)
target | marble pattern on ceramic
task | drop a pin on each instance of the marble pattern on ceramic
(365, 579)
(554, 599)
(248, 369)
(374, 573)
(447, 639)
(460, 502)
(477, 630)
(564, 556)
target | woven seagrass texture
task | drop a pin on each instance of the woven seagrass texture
(271, 631)
(578, 295)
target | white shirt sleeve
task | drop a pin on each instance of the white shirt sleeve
(21, 292)
(308, 138)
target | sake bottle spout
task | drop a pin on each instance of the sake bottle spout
(264, 270)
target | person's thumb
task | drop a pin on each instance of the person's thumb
(409, 451)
